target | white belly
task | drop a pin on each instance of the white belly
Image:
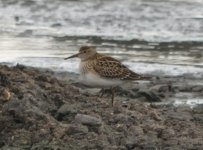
(97, 82)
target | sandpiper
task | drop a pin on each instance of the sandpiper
(101, 71)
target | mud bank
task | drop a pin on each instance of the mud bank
(43, 110)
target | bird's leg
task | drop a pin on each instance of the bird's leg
(101, 92)
(112, 96)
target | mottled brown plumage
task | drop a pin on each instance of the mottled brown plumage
(100, 70)
(108, 67)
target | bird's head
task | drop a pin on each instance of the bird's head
(85, 53)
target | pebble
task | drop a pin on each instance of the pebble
(6, 94)
(66, 111)
(198, 109)
(88, 120)
(77, 129)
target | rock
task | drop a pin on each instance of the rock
(56, 25)
(6, 147)
(5, 94)
(125, 93)
(66, 112)
(4, 81)
(43, 146)
(119, 92)
(131, 146)
(77, 129)
(198, 109)
(120, 127)
(180, 116)
(197, 88)
(183, 109)
(198, 118)
(161, 105)
(120, 118)
(185, 88)
(155, 116)
(42, 78)
(25, 33)
(28, 3)
(161, 88)
(167, 134)
(117, 109)
(50, 113)
(22, 138)
(20, 67)
(115, 148)
(136, 131)
(149, 95)
(131, 142)
(88, 120)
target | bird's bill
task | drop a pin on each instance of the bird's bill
(73, 56)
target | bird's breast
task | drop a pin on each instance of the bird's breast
(85, 67)
(90, 77)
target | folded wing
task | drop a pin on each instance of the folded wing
(108, 67)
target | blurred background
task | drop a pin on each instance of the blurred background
(156, 37)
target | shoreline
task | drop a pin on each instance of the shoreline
(50, 110)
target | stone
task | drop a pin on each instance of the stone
(5, 94)
(61, 117)
(156, 116)
(185, 88)
(136, 131)
(198, 118)
(88, 120)
(197, 88)
(66, 112)
(56, 25)
(161, 88)
(198, 109)
(131, 142)
(115, 148)
(4, 81)
(167, 134)
(120, 118)
(149, 95)
(184, 116)
(77, 129)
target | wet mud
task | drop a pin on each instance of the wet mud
(44, 110)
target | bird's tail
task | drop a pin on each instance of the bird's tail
(135, 76)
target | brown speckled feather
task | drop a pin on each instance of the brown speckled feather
(108, 67)
(98, 70)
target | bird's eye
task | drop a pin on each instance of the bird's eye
(84, 51)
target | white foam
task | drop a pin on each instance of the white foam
(186, 98)
(190, 102)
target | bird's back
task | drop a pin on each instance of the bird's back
(111, 68)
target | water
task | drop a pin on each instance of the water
(163, 38)
(151, 20)
(143, 58)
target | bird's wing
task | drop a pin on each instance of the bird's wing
(108, 67)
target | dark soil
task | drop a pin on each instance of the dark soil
(41, 111)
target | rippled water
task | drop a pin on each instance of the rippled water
(162, 59)
(151, 20)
